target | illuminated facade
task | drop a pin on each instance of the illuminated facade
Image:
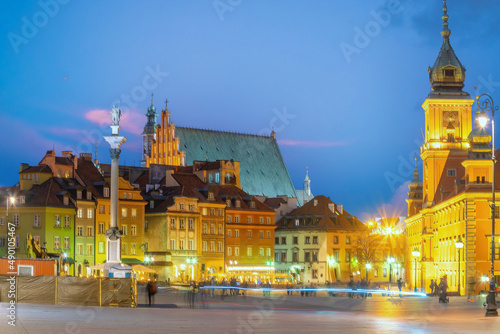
(456, 185)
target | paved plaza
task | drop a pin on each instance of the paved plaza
(255, 313)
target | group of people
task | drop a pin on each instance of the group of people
(359, 285)
(440, 289)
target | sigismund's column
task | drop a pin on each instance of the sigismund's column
(113, 252)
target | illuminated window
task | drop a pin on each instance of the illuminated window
(205, 228)
(191, 224)
(249, 220)
(268, 221)
(217, 177)
(212, 246)
(57, 242)
(249, 233)
(261, 251)
(229, 233)
(66, 243)
(36, 222)
(90, 213)
(172, 223)
(236, 233)
(335, 240)
(348, 240)
(133, 230)
(212, 228)
(79, 194)
(236, 219)
(204, 246)
(90, 231)
(133, 249)
(236, 251)
(219, 247)
(181, 244)
(101, 209)
(134, 213)
(268, 234)
(106, 192)
(221, 229)
(190, 244)
(15, 220)
(252, 205)
(307, 240)
(229, 219)
(211, 196)
(229, 251)
(124, 212)
(91, 252)
(172, 244)
(101, 228)
(249, 251)
(182, 225)
(261, 220)
(89, 195)
(124, 229)
(79, 231)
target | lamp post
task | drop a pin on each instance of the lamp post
(391, 260)
(485, 279)
(459, 244)
(368, 267)
(415, 254)
(488, 104)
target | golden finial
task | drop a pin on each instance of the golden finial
(445, 32)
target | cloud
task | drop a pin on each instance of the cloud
(291, 142)
(131, 121)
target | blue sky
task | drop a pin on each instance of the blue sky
(354, 120)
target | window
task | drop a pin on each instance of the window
(252, 205)
(2, 222)
(2, 242)
(204, 211)
(335, 239)
(79, 194)
(210, 178)
(133, 249)
(190, 244)
(236, 251)
(124, 195)
(347, 255)
(249, 251)
(90, 213)
(129, 195)
(315, 273)
(307, 240)
(449, 73)
(277, 257)
(295, 240)
(211, 196)
(236, 219)
(181, 244)
(221, 212)
(36, 221)
(182, 225)
(268, 221)
(66, 200)
(307, 256)
(172, 223)
(236, 233)
(228, 203)
(348, 240)
(385, 272)
(205, 228)
(66, 243)
(212, 228)
(191, 207)
(21, 199)
(217, 177)
(17, 241)
(133, 230)
(261, 251)
(276, 240)
(229, 251)
(261, 220)
(221, 229)
(283, 240)
(89, 195)
(249, 233)
(249, 220)
(106, 192)
(295, 257)
(451, 172)
(229, 219)
(238, 203)
(79, 249)
(268, 234)
(90, 231)
(296, 222)
(146, 225)
(124, 212)
(229, 233)
(79, 213)
(315, 240)
(212, 246)
(219, 247)
(79, 231)
(212, 212)
(57, 243)
(90, 252)
(124, 229)
(261, 234)
(15, 220)
(134, 213)
(67, 221)
(151, 204)
(315, 256)
(172, 244)
(268, 251)
(204, 246)
(101, 228)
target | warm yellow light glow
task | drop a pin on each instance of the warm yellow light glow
(482, 119)
(368, 266)
(12, 200)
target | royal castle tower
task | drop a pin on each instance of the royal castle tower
(149, 133)
(447, 122)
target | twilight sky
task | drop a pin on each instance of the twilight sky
(341, 81)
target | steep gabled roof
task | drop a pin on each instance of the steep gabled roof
(263, 171)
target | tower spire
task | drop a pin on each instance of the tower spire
(446, 31)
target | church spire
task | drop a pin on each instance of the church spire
(447, 76)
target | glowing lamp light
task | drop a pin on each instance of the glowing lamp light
(459, 243)
(415, 253)
(482, 119)
(485, 279)
(235, 262)
(183, 266)
(368, 266)
(230, 261)
(12, 200)
(64, 255)
(392, 260)
(188, 260)
(193, 260)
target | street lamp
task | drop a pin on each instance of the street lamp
(488, 104)
(415, 254)
(391, 260)
(459, 244)
(368, 267)
(485, 279)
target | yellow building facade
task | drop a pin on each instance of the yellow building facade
(451, 203)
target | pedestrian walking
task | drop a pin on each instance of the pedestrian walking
(400, 286)
(152, 288)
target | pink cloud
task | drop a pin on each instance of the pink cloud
(290, 142)
(131, 121)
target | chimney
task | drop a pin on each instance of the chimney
(75, 162)
(67, 154)
(315, 202)
(24, 166)
(330, 207)
(341, 208)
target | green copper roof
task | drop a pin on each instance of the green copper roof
(262, 169)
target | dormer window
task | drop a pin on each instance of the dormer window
(210, 178)
(79, 194)
(66, 200)
(106, 192)
(21, 199)
(252, 204)
(449, 73)
(217, 177)
(296, 222)
(151, 204)
(89, 195)
(211, 196)
(238, 203)
(228, 203)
